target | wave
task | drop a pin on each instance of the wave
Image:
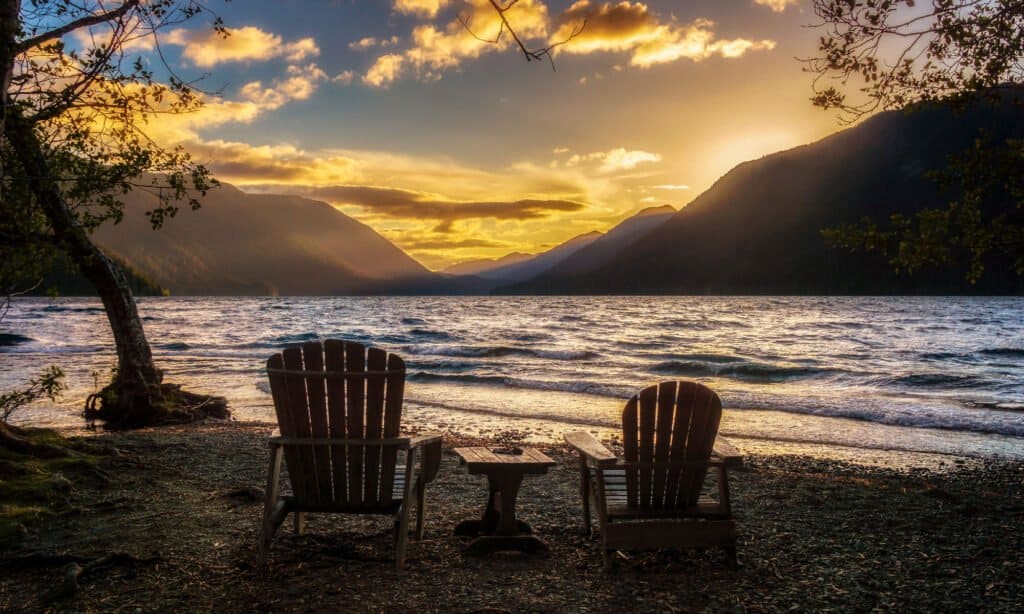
(7, 339)
(175, 345)
(436, 335)
(939, 380)
(62, 308)
(578, 387)
(743, 370)
(456, 366)
(529, 337)
(714, 358)
(413, 321)
(503, 351)
(1008, 352)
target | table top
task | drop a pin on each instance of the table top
(484, 459)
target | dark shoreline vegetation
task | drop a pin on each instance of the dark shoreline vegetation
(167, 520)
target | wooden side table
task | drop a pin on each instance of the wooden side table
(499, 529)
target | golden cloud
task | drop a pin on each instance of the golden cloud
(631, 27)
(617, 159)
(420, 8)
(434, 49)
(207, 48)
(777, 6)
(402, 203)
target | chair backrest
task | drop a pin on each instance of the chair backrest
(339, 390)
(668, 424)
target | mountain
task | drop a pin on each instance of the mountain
(757, 230)
(535, 265)
(256, 244)
(482, 267)
(597, 250)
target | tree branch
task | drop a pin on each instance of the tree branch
(82, 22)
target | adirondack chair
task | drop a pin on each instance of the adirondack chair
(651, 499)
(339, 406)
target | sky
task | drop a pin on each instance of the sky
(456, 148)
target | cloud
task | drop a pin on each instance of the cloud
(446, 244)
(401, 203)
(253, 100)
(777, 6)
(344, 77)
(632, 28)
(617, 159)
(560, 150)
(386, 69)
(207, 48)
(370, 42)
(420, 8)
(434, 49)
(669, 186)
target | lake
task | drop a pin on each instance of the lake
(811, 374)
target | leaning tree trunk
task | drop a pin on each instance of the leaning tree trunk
(136, 396)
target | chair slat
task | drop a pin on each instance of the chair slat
(298, 418)
(393, 394)
(629, 446)
(279, 391)
(355, 360)
(662, 440)
(707, 412)
(648, 411)
(334, 360)
(376, 360)
(680, 431)
(313, 360)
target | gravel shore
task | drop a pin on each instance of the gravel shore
(174, 529)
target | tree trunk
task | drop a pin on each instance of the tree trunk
(135, 397)
(9, 25)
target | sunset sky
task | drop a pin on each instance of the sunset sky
(457, 149)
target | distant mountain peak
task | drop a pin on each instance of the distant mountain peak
(656, 210)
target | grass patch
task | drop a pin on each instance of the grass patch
(33, 487)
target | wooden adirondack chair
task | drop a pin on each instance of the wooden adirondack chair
(339, 406)
(651, 499)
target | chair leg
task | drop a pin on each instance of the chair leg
(270, 504)
(299, 523)
(585, 496)
(730, 556)
(421, 507)
(403, 516)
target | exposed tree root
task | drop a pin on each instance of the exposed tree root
(123, 406)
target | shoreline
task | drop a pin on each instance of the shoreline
(893, 448)
(814, 533)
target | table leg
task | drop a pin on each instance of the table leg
(499, 529)
(506, 487)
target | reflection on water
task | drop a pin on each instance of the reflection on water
(835, 370)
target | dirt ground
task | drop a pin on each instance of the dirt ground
(175, 528)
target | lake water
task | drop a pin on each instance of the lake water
(816, 374)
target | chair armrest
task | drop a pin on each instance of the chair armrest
(727, 453)
(423, 440)
(590, 448)
(431, 447)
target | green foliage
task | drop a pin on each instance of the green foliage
(984, 222)
(89, 104)
(961, 53)
(48, 384)
(897, 53)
